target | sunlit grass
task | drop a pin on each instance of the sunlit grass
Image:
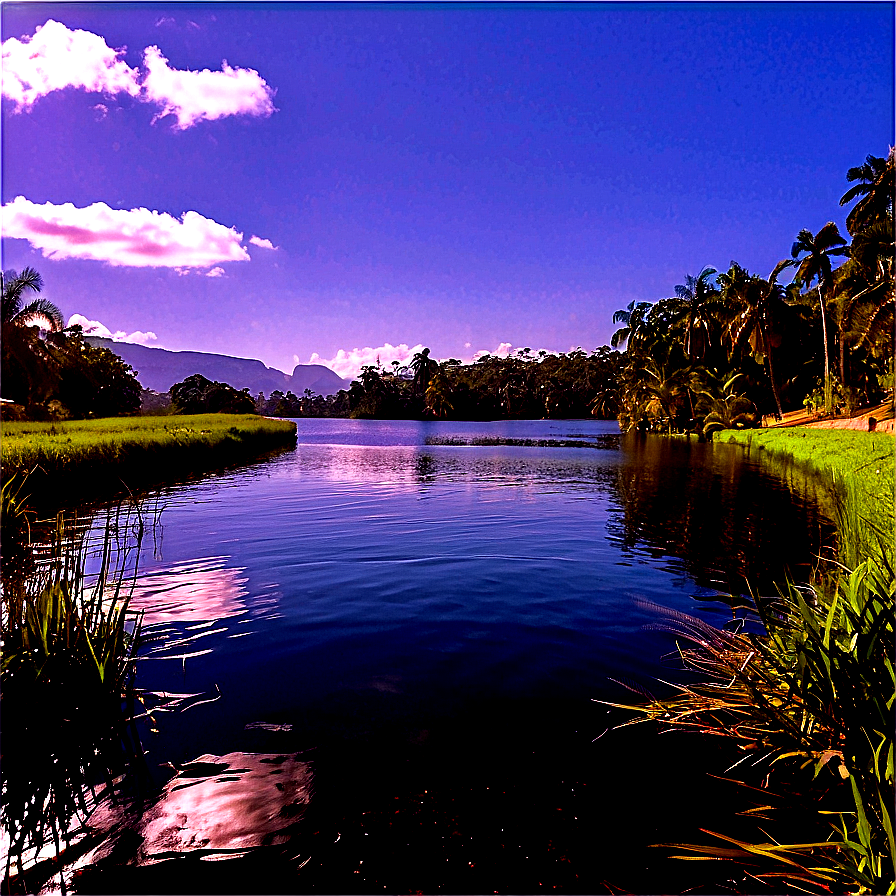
(85, 456)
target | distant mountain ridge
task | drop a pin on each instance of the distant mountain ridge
(159, 369)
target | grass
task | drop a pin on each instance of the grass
(858, 468)
(69, 642)
(808, 699)
(90, 459)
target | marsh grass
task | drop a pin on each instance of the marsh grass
(610, 441)
(68, 646)
(809, 701)
(91, 459)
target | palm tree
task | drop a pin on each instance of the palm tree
(424, 367)
(12, 289)
(697, 303)
(863, 297)
(26, 361)
(659, 391)
(438, 394)
(633, 318)
(875, 186)
(815, 264)
(721, 406)
(757, 306)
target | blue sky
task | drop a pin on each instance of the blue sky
(461, 177)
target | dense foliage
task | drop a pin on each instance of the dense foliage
(730, 346)
(198, 395)
(51, 372)
(520, 386)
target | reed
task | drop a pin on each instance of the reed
(68, 647)
(807, 695)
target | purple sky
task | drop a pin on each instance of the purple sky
(455, 177)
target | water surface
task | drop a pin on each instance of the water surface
(426, 619)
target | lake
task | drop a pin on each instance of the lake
(421, 616)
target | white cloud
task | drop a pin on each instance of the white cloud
(135, 238)
(56, 58)
(502, 351)
(95, 328)
(206, 95)
(349, 363)
(216, 272)
(260, 241)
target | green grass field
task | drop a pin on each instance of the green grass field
(75, 461)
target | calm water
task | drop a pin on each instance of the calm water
(426, 624)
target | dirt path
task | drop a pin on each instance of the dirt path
(876, 419)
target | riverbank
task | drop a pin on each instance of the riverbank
(93, 460)
(859, 468)
(816, 690)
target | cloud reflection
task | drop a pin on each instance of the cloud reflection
(196, 591)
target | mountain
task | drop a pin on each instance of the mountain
(159, 369)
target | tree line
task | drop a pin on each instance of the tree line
(729, 346)
(726, 348)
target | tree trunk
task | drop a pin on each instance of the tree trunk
(771, 374)
(827, 358)
(841, 336)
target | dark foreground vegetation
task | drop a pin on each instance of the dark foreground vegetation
(802, 685)
(92, 460)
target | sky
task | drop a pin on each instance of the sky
(332, 183)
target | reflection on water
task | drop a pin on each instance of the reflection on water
(432, 617)
(194, 591)
(224, 805)
(735, 527)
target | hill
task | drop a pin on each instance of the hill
(159, 369)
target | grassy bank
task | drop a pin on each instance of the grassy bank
(807, 699)
(96, 459)
(857, 466)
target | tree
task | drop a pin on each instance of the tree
(198, 395)
(757, 307)
(93, 382)
(424, 367)
(875, 186)
(13, 287)
(632, 318)
(27, 366)
(697, 301)
(438, 395)
(815, 264)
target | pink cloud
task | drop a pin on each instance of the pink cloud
(349, 363)
(95, 328)
(502, 351)
(216, 272)
(261, 242)
(56, 58)
(204, 95)
(135, 238)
